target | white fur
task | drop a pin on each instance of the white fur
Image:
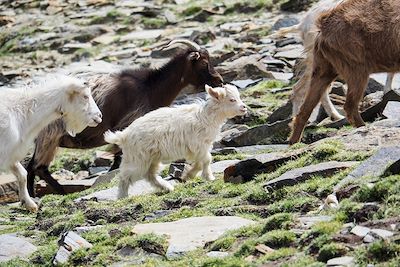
(173, 133)
(24, 112)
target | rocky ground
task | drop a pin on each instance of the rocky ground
(271, 204)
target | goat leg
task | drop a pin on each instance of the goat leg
(31, 176)
(117, 161)
(44, 173)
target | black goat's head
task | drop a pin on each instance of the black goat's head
(198, 68)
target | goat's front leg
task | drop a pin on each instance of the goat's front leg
(18, 170)
(207, 173)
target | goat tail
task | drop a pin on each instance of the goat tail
(114, 137)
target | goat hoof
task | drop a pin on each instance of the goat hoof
(210, 178)
(30, 206)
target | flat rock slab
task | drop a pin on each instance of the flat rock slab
(69, 186)
(140, 187)
(8, 188)
(392, 110)
(245, 170)
(69, 242)
(191, 233)
(220, 166)
(308, 221)
(374, 166)
(371, 113)
(13, 246)
(360, 231)
(302, 174)
(263, 134)
(341, 261)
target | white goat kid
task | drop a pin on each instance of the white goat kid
(25, 112)
(173, 133)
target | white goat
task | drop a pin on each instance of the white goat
(173, 133)
(308, 33)
(25, 112)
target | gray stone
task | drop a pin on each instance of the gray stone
(290, 52)
(264, 134)
(69, 242)
(220, 166)
(242, 84)
(218, 254)
(302, 174)
(245, 170)
(341, 261)
(392, 110)
(142, 35)
(374, 166)
(13, 246)
(360, 231)
(381, 233)
(105, 178)
(257, 149)
(140, 187)
(191, 233)
(286, 21)
(381, 78)
(308, 221)
(368, 239)
(84, 229)
(8, 188)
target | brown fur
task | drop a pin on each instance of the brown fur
(357, 38)
(122, 98)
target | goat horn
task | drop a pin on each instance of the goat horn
(185, 42)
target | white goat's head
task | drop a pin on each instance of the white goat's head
(228, 99)
(79, 109)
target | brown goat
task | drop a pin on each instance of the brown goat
(122, 98)
(355, 39)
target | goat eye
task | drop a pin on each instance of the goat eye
(232, 100)
(86, 97)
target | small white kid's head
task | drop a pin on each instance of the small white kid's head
(228, 99)
(80, 109)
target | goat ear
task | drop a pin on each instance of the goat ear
(193, 56)
(212, 92)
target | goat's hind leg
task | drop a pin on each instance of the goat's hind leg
(127, 176)
(329, 107)
(152, 176)
(18, 170)
(323, 75)
(356, 87)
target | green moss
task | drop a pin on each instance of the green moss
(347, 210)
(45, 254)
(330, 251)
(278, 221)
(232, 156)
(149, 242)
(73, 160)
(277, 254)
(154, 23)
(191, 10)
(278, 238)
(223, 244)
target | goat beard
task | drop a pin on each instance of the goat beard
(74, 127)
